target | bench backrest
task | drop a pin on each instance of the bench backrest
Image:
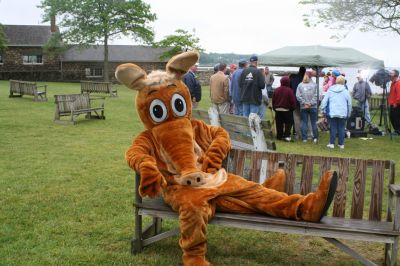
(95, 86)
(23, 87)
(239, 129)
(362, 184)
(67, 103)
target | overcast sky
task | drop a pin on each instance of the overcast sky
(245, 27)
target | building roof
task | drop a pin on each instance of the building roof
(27, 35)
(116, 53)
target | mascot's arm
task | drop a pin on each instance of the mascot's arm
(214, 141)
(139, 157)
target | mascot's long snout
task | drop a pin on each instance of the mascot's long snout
(181, 155)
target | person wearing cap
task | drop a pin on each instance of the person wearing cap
(237, 109)
(219, 90)
(361, 93)
(251, 83)
(394, 100)
(194, 85)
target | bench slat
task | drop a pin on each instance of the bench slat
(327, 223)
(307, 174)
(375, 208)
(290, 163)
(357, 207)
(339, 204)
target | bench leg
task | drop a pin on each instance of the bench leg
(391, 251)
(350, 251)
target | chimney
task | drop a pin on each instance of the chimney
(53, 27)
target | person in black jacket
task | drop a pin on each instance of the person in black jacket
(251, 83)
(194, 85)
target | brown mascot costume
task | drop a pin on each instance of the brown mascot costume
(180, 158)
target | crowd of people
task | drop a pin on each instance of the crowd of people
(244, 88)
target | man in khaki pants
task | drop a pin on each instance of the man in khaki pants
(219, 90)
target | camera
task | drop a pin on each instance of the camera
(380, 78)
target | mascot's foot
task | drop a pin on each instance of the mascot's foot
(195, 261)
(315, 205)
(277, 181)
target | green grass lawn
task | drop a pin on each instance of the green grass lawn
(66, 192)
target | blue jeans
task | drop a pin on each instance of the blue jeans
(261, 111)
(250, 108)
(313, 113)
(238, 108)
(365, 109)
(337, 127)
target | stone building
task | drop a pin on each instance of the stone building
(24, 57)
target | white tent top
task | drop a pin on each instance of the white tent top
(321, 56)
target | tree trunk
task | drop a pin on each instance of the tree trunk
(105, 72)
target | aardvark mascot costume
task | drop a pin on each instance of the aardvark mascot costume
(180, 158)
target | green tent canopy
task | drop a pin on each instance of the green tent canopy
(319, 56)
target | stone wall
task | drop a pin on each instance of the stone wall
(14, 68)
(204, 76)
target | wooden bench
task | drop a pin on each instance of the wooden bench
(246, 133)
(354, 214)
(18, 88)
(75, 104)
(98, 87)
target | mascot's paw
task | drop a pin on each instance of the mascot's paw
(151, 180)
(203, 180)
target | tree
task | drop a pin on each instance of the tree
(176, 43)
(88, 22)
(346, 15)
(3, 39)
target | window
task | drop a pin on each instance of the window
(1, 59)
(32, 59)
(94, 72)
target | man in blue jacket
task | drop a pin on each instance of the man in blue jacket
(194, 85)
(251, 83)
(235, 90)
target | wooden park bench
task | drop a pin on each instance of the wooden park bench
(75, 104)
(358, 212)
(246, 133)
(98, 87)
(18, 88)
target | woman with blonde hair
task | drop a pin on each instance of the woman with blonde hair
(336, 106)
(307, 96)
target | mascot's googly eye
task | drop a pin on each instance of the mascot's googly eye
(178, 104)
(158, 111)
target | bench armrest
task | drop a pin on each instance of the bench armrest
(395, 189)
(97, 98)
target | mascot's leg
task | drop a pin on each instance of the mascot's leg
(277, 181)
(194, 210)
(257, 198)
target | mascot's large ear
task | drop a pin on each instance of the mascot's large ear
(181, 63)
(130, 75)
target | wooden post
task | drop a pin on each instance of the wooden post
(259, 142)
(214, 116)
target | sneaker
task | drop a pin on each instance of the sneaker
(315, 141)
(341, 146)
(288, 139)
(330, 146)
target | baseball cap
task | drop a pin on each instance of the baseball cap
(336, 73)
(242, 61)
(253, 58)
(233, 66)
